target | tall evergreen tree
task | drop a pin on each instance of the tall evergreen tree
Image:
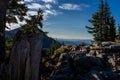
(103, 24)
(112, 29)
(34, 24)
(15, 9)
(118, 32)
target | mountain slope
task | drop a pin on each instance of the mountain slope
(47, 41)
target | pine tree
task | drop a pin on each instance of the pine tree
(15, 9)
(112, 30)
(103, 24)
(34, 24)
(118, 33)
(97, 22)
(54, 46)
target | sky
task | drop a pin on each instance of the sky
(66, 19)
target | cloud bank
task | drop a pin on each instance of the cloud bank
(49, 1)
(68, 6)
(47, 9)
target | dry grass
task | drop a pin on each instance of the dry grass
(117, 40)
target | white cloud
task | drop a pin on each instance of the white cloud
(37, 6)
(28, 0)
(84, 5)
(70, 6)
(34, 6)
(48, 6)
(49, 1)
(13, 25)
(32, 13)
(46, 13)
(45, 1)
(49, 12)
(20, 2)
(47, 9)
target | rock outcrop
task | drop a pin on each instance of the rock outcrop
(24, 63)
(84, 63)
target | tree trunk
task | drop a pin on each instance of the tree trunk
(3, 7)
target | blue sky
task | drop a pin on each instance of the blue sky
(67, 18)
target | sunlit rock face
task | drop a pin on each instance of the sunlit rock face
(25, 58)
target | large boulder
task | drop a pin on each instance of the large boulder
(25, 58)
(88, 62)
(18, 60)
(35, 54)
(115, 46)
(112, 63)
(109, 75)
(108, 43)
(93, 75)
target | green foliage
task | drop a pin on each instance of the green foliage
(45, 52)
(34, 24)
(103, 28)
(118, 32)
(54, 45)
(8, 48)
(117, 40)
(63, 49)
(14, 8)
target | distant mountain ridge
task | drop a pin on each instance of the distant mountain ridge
(75, 41)
(47, 41)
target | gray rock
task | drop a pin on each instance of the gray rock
(115, 46)
(25, 58)
(88, 62)
(60, 77)
(94, 75)
(109, 75)
(108, 43)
